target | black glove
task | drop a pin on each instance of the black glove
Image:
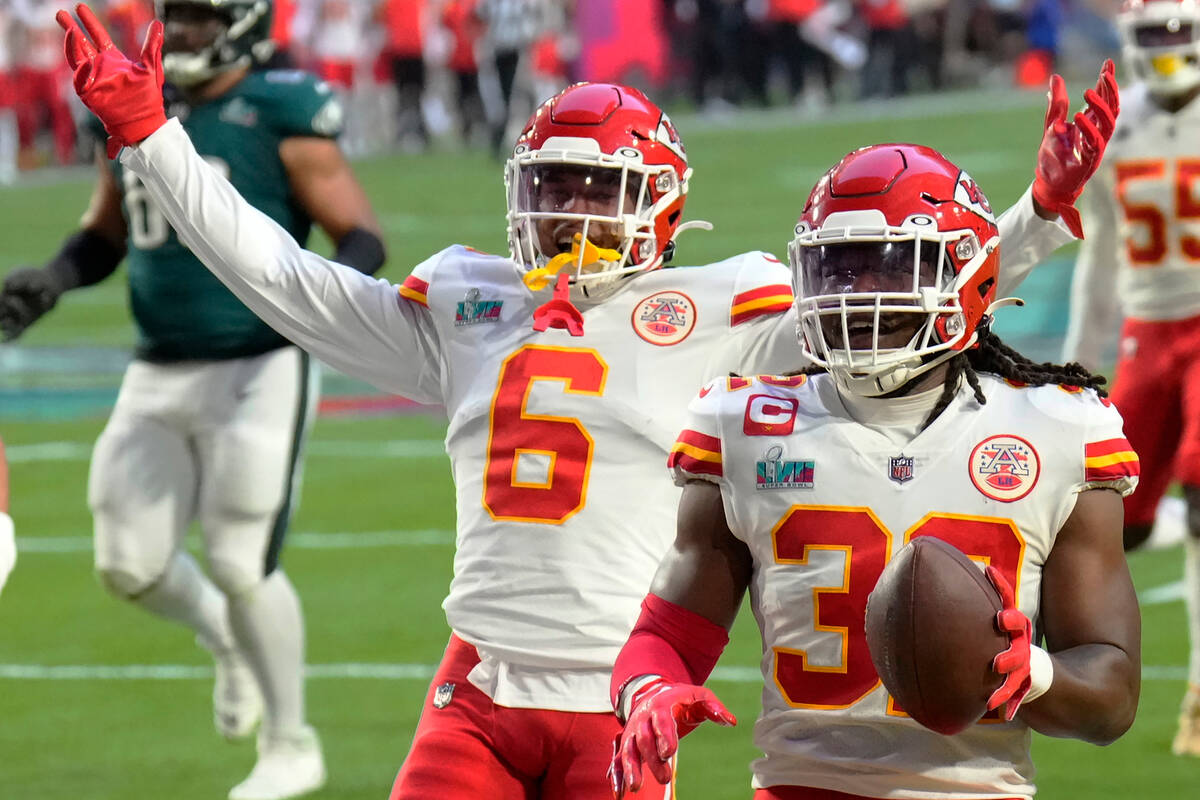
(28, 293)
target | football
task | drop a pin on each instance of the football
(931, 631)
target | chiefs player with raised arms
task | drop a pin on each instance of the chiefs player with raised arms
(800, 488)
(564, 370)
(1142, 212)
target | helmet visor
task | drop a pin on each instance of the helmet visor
(899, 267)
(873, 296)
(563, 200)
(1172, 33)
(192, 28)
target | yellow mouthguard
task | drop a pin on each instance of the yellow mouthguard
(538, 279)
(1166, 65)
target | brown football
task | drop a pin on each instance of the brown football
(932, 634)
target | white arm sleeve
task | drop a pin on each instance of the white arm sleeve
(1094, 315)
(353, 322)
(1025, 240)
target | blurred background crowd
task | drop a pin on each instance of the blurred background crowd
(416, 72)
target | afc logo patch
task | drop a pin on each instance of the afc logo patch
(767, 415)
(1004, 467)
(664, 318)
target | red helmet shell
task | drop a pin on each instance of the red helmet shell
(624, 123)
(904, 180)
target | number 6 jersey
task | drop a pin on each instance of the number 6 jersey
(823, 502)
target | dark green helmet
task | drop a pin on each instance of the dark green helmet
(207, 37)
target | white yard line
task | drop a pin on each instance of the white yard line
(329, 448)
(1158, 595)
(355, 671)
(304, 540)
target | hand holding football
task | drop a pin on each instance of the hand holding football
(931, 631)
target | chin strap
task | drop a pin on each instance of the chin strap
(538, 279)
(559, 311)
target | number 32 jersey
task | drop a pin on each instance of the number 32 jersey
(823, 502)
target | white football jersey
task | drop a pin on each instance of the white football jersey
(823, 502)
(556, 441)
(1141, 216)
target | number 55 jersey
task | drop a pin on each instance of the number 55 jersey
(1142, 215)
(1139, 261)
(822, 502)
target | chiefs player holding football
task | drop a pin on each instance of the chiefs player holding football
(1142, 211)
(564, 371)
(916, 420)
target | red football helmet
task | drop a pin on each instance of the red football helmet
(597, 179)
(1161, 43)
(894, 266)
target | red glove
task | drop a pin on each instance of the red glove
(1071, 151)
(1013, 663)
(126, 95)
(662, 712)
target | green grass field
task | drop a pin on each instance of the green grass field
(371, 545)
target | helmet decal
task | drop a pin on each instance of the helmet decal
(967, 193)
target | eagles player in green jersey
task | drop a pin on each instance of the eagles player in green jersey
(214, 408)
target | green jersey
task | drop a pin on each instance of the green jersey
(181, 310)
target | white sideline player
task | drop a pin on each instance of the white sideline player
(564, 371)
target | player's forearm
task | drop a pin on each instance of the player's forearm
(347, 319)
(1093, 697)
(85, 258)
(670, 642)
(1093, 316)
(1025, 241)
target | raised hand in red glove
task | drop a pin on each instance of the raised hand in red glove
(660, 713)
(126, 95)
(1013, 663)
(1071, 151)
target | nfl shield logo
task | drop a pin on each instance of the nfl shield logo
(900, 468)
(443, 695)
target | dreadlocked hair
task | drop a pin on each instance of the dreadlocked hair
(993, 356)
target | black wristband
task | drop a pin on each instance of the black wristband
(362, 250)
(86, 257)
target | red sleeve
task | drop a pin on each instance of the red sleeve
(671, 641)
